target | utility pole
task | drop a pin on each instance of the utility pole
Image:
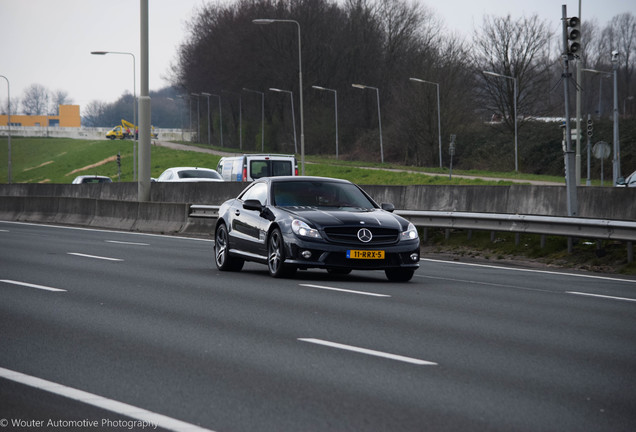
(143, 185)
(579, 134)
(570, 47)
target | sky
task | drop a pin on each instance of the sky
(49, 42)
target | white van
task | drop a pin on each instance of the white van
(250, 167)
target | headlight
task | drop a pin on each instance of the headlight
(301, 229)
(409, 234)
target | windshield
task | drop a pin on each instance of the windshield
(319, 194)
(199, 174)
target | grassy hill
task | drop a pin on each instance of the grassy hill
(60, 160)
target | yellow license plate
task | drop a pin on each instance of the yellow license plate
(365, 254)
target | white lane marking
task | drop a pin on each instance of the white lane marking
(368, 352)
(602, 296)
(345, 290)
(532, 270)
(4, 230)
(124, 409)
(484, 283)
(94, 256)
(42, 287)
(108, 231)
(126, 243)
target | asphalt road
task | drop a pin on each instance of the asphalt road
(112, 329)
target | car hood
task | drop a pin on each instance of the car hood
(370, 218)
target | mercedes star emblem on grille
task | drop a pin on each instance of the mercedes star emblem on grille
(364, 235)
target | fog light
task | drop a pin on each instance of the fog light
(306, 254)
(415, 256)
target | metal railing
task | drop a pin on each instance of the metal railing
(546, 225)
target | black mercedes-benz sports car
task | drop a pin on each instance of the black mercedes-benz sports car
(291, 223)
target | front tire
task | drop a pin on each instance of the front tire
(276, 256)
(222, 258)
(399, 275)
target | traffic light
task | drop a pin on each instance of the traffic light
(574, 36)
(589, 127)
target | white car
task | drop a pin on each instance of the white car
(627, 182)
(83, 179)
(189, 174)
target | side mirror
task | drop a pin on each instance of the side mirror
(387, 207)
(252, 204)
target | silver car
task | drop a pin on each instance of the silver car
(627, 182)
(189, 174)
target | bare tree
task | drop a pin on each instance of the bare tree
(620, 35)
(514, 48)
(35, 100)
(59, 97)
(94, 113)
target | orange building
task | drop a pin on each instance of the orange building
(69, 117)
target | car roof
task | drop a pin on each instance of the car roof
(190, 168)
(279, 179)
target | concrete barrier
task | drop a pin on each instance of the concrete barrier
(114, 205)
(87, 133)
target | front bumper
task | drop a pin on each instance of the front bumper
(309, 254)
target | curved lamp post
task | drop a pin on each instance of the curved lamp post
(300, 84)
(291, 96)
(361, 86)
(439, 121)
(134, 79)
(514, 79)
(335, 96)
(262, 116)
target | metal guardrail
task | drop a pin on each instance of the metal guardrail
(548, 225)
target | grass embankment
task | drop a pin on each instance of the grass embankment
(604, 256)
(59, 160)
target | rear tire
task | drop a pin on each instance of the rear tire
(276, 256)
(222, 258)
(399, 275)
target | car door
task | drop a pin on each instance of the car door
(249, 227)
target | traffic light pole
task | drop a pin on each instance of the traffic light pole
(570, 154)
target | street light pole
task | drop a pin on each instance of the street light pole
(9, 167)
(514, 79)
(601, 74)
(262, 116)
(220, 120)
(198, 117)
(207, 95)
(220, 117)
(361, 86)
(335, 98)
(240, 96)
(300, 85)
(291, 96)
(439, 121)
(617, 147)
(134, 80)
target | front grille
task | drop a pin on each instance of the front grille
(349, 235)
